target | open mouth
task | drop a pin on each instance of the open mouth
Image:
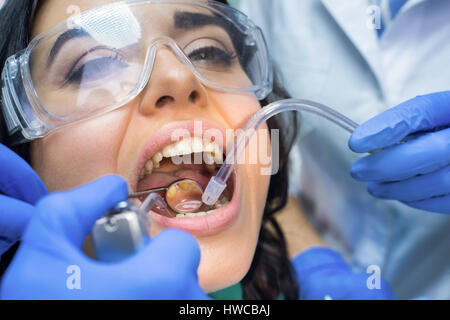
(196, 159)
(191, 158)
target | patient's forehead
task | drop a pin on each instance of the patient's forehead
(52, 12)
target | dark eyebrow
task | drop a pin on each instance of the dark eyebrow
(62, 39)
(190, 20)
(182, 20)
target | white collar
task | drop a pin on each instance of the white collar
(353, 17)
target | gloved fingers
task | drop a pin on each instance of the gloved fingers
(423, 155)
(14, 217)
(72, 214)
(18, 179)
(415, 189)
(175, 249)
(423, 113)
(438, 205)
(171, 260)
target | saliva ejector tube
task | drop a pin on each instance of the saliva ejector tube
(218, 183)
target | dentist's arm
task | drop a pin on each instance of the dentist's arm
(20, 189)
(417, 172)
(50, 254)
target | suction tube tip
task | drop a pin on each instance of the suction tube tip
(213, 191)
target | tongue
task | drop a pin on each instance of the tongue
(169, 173)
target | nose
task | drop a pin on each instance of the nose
(171, 84)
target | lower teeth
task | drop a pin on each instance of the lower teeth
(195, 215)
(222, 202)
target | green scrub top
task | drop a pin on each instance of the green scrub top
(231, 293)
(234, 292)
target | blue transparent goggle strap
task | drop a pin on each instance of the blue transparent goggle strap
(22, 123)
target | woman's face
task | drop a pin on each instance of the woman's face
(122, 141)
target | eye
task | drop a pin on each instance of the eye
(211, 56)
(95, 69)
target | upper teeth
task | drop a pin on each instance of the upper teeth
(212, 153)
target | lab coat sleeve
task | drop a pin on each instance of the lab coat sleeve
(323, 274)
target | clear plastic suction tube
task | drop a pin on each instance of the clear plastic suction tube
(218, 183)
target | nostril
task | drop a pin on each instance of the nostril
(193, 97)
(163, 100)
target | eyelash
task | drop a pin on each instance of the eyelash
(226, 59)
(74, 75)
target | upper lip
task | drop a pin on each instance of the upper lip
(163, 137)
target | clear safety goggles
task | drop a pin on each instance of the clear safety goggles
(100, 60)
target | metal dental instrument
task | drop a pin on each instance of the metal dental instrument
(218, 183)
(182, 196)
(124, 230)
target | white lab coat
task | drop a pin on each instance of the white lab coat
(327, 53)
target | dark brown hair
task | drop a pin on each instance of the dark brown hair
(271, 275)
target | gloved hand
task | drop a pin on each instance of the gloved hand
(322, 274)
(20, 189)
(416, 172)
(51, 251)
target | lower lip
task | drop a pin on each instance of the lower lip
(208, 225)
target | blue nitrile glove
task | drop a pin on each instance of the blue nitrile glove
(417, 172)
(50, 264)
(20, 189)
(322, 274)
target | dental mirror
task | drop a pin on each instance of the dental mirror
(182, 196)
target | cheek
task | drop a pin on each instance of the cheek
(81, 153)
(237, 109)
(227, 259)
